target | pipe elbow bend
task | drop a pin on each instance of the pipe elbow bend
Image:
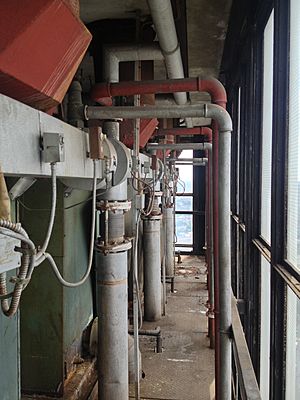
(220, 115)
(215, 88)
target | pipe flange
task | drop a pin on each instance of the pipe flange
(113, 206)
(158, 194)
(152, 217)
(114, 248)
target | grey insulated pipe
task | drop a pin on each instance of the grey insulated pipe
(152, 286)
(163, 20)
(221, 116)
(112, 302)
(169, 234)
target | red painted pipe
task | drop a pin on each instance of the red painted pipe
(101, 92)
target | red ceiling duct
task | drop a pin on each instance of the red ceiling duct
(41, 46)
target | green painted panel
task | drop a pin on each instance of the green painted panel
(9, 358)
(52, 316)
(42, 367)
(78, 306)
(9, 347)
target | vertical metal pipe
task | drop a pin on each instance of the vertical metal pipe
(112, 299)
(216, 255)
(169, 226)
(112, 327)
(211, 253)
(151, 239)
(224, 264)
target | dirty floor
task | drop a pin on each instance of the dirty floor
(185, 368)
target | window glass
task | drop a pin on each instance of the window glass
(267, 130)
(186, 173)
(293, 347)
(184, 228)
(184, 203)
(265, 313)
(293, 214)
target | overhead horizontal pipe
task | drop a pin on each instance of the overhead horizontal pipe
(191, 160)
(202, 110)
(179, 146)
(131, 88)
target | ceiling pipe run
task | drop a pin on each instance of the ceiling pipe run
(131, 88)
(203, 111)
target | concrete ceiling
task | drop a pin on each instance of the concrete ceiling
(93, 10)
(206, 28)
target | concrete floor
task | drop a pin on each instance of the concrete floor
(185, 368)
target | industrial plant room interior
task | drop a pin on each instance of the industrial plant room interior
(150, 199)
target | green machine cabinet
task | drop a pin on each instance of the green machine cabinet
(53, 317)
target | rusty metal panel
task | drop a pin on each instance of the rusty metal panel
(40, 50)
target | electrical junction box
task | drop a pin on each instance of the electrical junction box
(53, 148)
(9, 258)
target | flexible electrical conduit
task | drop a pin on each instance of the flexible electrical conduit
(15, 231)
(91, 249)
(39, 256)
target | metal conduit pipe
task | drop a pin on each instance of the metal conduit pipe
(111, 263)
(222, 134)
(152, 270)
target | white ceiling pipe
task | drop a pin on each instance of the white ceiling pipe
(163, 19)
(113, 55)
